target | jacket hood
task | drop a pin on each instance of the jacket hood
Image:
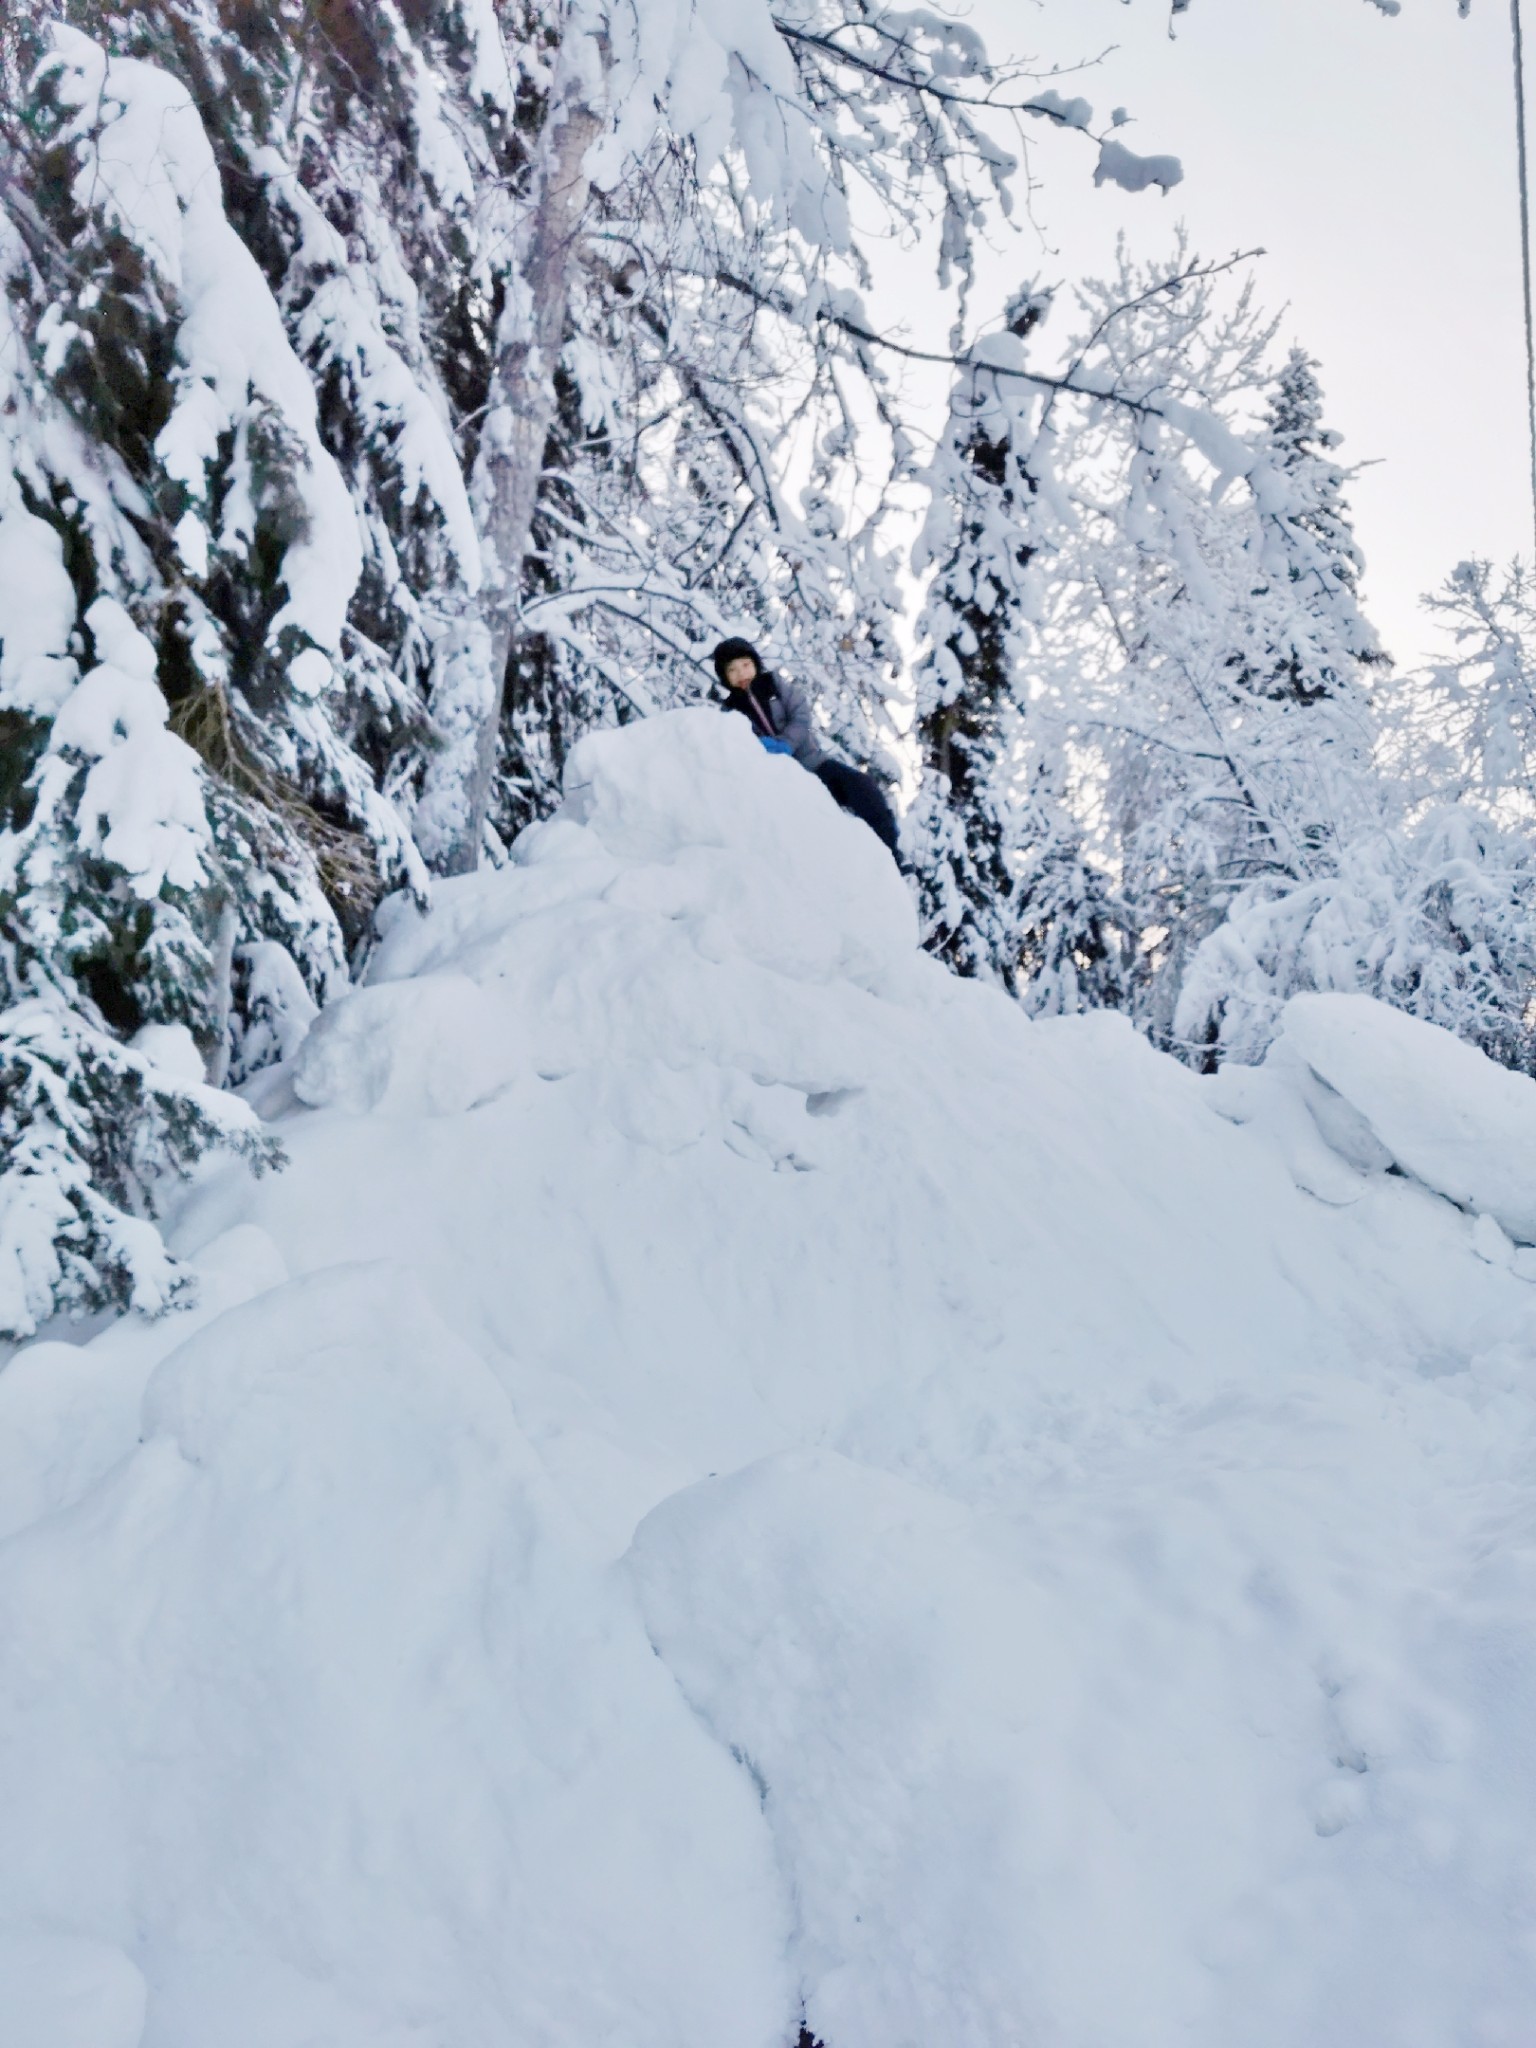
(733, 650)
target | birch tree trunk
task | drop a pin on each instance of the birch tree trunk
(473, 654)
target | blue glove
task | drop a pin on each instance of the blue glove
(774, 746)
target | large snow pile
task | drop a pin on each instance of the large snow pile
(733, 1479)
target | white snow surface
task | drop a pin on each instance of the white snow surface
(735, 1478)
(67, 1993)
(1440, 1109)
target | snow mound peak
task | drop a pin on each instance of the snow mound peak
(735, 1482)
(698, 777)
(748, 838)
(678, 913)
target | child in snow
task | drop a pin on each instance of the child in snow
(780, 715)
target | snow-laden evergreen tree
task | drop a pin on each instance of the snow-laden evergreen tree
(165, 345)
(1327, 644)
(163, 449)
(115, 905)
(1006, 888)
(966, 829)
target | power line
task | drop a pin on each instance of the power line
(1525, 244)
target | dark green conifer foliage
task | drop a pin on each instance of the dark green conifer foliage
(1007, 890)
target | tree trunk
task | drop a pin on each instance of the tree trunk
(467, 704)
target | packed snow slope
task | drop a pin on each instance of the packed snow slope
(734, 1479)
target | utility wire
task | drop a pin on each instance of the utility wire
(1525, 243)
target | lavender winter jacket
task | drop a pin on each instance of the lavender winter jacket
(780, 710)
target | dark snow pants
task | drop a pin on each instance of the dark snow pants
(862, 797)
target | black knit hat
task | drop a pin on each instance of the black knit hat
(733, 650)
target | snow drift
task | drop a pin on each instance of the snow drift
(734, 1480)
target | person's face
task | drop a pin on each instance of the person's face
(740, 672)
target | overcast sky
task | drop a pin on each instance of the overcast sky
(1374, 160)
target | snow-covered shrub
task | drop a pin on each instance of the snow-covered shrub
(1438, 919)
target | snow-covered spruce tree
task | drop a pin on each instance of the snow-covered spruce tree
(183, 802)
(1072, 927)
(1326, 643)
(370, 156)
(114, 908)
(1007, 891)
(963, 836)
(254, 539)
